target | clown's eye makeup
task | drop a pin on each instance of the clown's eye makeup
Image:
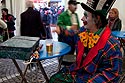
(85, 14)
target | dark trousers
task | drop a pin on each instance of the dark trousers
(48, 32)
(10, 34)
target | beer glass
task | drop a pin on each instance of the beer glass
(49, 46)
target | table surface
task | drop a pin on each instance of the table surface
(20, 42)
(59, 49)
(18, 47)
(119, 34)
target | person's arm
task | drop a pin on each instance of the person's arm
(60, 21)
(65, 26)
(3, 24)
(111, 66)
(57, 30)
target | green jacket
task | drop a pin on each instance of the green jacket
(64, 20)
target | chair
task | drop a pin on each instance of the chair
(66, 60)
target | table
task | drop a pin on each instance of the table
(21, 47)
(59, 49)
(120, 35)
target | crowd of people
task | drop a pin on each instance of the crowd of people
(33, 22)
(99, 58)
(38, 22)
(49, 17)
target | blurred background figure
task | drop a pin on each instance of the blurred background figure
(47, 20)
(60, 9)
(54, 10)
(114, 21)
(3, 26)
(9, 19)
(31, 23)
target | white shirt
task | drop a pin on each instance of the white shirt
(3, 25)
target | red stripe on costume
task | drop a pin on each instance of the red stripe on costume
(80, 53)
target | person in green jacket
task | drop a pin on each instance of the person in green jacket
(68, 25)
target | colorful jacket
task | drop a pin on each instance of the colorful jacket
(101, 64)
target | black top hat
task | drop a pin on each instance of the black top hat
(100, 7)
(74, 2)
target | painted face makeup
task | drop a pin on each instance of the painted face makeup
(84, 18)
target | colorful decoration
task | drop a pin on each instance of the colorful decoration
(35, 54)
(89, 39)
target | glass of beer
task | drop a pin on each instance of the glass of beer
(49, 46)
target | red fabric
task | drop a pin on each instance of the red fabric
(93, 51)
(80, 53)
(4, 18)
(10, 18)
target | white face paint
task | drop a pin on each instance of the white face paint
(91, 25)
(89, 20)
(83, 19)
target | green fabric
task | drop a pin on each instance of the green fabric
(101, 12)
(64, 20)
(99, 31)
(61, 77)
(1, 38)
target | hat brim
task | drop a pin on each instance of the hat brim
(73, 2)
(87, 8)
